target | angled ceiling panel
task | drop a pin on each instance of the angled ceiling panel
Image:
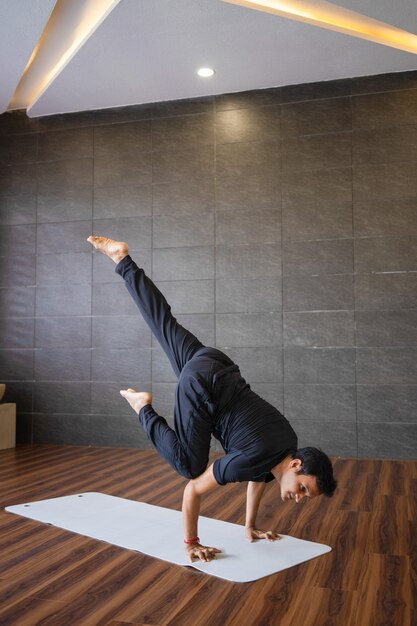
(399, 14)
(149, 51)
(21, 25)
(331, 16)
(71, 24)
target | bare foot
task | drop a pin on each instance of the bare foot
(116, 250)
(137, 399)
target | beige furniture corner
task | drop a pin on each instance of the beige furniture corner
(7, 426)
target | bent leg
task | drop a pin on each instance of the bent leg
(165, 440)
(187, 447)
(187, 457)
(178, 343)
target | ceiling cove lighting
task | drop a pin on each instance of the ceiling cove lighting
(333, 17)
(205, 72)
(70, 25)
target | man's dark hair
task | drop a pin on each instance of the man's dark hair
(317, 463)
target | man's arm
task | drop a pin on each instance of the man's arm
(254, 495)
(190, 512)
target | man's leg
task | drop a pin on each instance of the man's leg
(186, 448)
(178, 343)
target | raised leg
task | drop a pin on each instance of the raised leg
(179, 344)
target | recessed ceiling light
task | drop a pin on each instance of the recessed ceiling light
(205, 72)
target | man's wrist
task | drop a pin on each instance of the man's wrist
(193, 541)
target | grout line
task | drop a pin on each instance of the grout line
(215, 218)
(36, 289)
(92, 281)
(282, 263)
(152, 246)
(353, 287)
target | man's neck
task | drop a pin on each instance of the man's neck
(278, 469)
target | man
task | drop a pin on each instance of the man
(212, 398)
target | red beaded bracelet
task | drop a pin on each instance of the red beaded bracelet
(195, 540)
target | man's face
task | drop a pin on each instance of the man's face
(295, 486)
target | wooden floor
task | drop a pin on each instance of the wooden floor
(52, 577)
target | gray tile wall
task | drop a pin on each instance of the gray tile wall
(280, 224)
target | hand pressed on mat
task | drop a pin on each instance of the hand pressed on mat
(204, 553)
(252, 534)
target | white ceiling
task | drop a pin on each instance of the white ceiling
(149, 51)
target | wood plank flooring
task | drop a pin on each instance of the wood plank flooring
(52, 577)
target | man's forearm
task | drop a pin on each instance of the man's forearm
(254, 495)
(190, 512)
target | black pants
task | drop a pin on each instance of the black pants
(187, 447)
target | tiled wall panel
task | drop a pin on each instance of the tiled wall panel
(281, 226)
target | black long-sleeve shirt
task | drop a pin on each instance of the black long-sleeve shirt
(253, 433)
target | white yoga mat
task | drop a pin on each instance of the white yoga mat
(157, 531)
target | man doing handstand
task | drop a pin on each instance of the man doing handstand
(212, 398)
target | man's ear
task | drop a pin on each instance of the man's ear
(296, 464)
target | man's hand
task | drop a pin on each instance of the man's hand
(197, 551)
(252, 534)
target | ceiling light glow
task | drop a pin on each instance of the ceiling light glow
(69, 27)
(333, 17)
(205, 72)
